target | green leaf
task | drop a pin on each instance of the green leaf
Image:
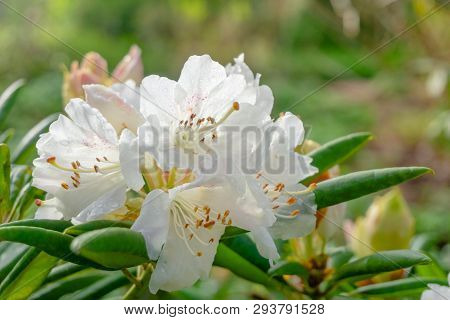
(56, 290)
(247, 249)
(7, 135)
(336, 151)
(20, 176)
(231, 232)
(358, 184)
(28, 275)
(64, 270)
(26, 146)
(55, 225)
(95, 225)
(398, 285)
(8, 98)
(102, 287)
(10, 254)
(382, 261)
(227, 258)
(115, 248)
(52, 242)
(289, 268)
(5, 172)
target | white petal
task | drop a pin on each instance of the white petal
(157, 98)
(129, 92)
(52, 209)
(104, 204)
(113, 107)
(264, 243)
(293, 129)
(436, 292)
(300, 226)
(130, 160)
(200, 75)
(153, 222)
(91, 120)
(177, 267)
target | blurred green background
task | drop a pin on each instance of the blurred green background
(399, 92)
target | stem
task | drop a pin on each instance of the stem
(130, 277)
(134, 290)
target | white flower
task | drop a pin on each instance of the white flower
(79, 162)
(276, 185)
(437, 292)
(183, 218)
(192, 114)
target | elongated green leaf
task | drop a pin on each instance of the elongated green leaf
(56, 290)
(5, 171)
(10, 254)
(398, 285)
(358, 184)
(231, 232)
(8, 98)
(52, 242)
(289, 268)
(7, 135)
(102, 287)
(336, 151)
(26, 146)
(382, 261)
(115, 248)
(20, 176)
(55, 225)
(247, 249)
(227, 258)
(78, 229)
(64, 270)
(23, 262)
(30, 278)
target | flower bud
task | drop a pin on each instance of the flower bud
(94, 70)
(388, 225)
(130, 67)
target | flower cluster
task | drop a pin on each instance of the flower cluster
(141, 153)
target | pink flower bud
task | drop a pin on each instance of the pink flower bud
(130, 67)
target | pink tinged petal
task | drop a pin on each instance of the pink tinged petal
(157, 98)
(153, 222)
(95, 64)
(130, 160)
(114, 108)
(130, 67)
(200, 75)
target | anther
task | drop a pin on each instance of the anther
(65, 186)
(226, 213)
(75, 185)
(51, 159)
(295, 212)
(211, 240)
(291, 201)
(78, 163)
(96, 168)
(236, 105)
(209, 224)
(74, 165)
(199, 254)
(275, 207)
(38, 202)
(190, 236)
(186, 225)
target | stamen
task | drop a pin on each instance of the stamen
(295, 213)
(209, 225)
(64, 185)
(291, 201)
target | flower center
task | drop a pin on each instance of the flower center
(191, 133)
(191, 220)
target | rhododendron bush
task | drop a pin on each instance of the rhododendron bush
(148, 187)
